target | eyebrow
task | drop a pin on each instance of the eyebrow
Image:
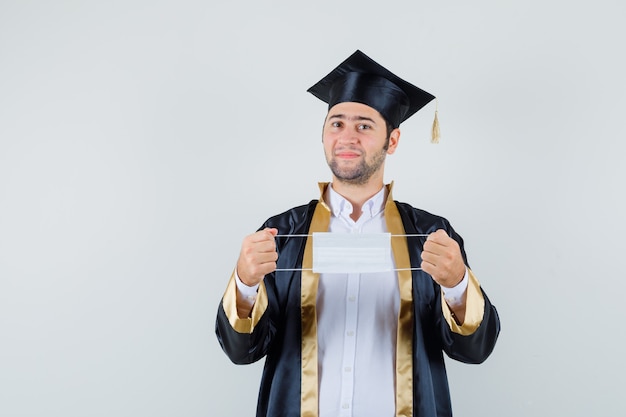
(343, 116)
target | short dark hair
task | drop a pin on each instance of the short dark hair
(390, 129)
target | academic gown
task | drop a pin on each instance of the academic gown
(282, 325)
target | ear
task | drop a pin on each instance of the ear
(394, 138)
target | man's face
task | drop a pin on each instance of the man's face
(355, 142)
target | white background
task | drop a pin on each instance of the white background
(140, 141)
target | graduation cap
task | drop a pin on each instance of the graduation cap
(361, 79)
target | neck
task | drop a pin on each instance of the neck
(357, 194)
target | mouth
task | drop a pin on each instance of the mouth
(347, 154)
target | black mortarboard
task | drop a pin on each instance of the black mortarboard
(360, 79)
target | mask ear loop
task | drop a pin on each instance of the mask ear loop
(414, 235)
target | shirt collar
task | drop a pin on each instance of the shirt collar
(340, 206)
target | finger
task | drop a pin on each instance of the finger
(440, 236)
(434, 248)
(254, 252)
(266, 234)
(264, 257)
(264, 246)
(427, 267)
(429, 257)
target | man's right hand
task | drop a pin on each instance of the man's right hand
(257, 257)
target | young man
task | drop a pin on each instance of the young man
(356, 343)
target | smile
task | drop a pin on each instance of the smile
(347, 154)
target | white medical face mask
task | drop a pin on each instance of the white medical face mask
(352, 252)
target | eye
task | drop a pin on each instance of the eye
(336, 124)
(363, 126)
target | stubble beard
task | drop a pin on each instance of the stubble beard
(361, 173)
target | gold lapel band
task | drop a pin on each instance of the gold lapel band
(309, 385)
(404, 342)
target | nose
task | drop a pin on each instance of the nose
(348, 137)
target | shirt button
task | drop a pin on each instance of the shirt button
(347, 369)
(350, 333)
(352, 298)
(345, 406)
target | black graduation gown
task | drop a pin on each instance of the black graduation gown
(277, 333)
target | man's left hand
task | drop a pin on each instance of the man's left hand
(441, 258)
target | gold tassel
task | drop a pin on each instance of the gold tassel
(436, 134)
